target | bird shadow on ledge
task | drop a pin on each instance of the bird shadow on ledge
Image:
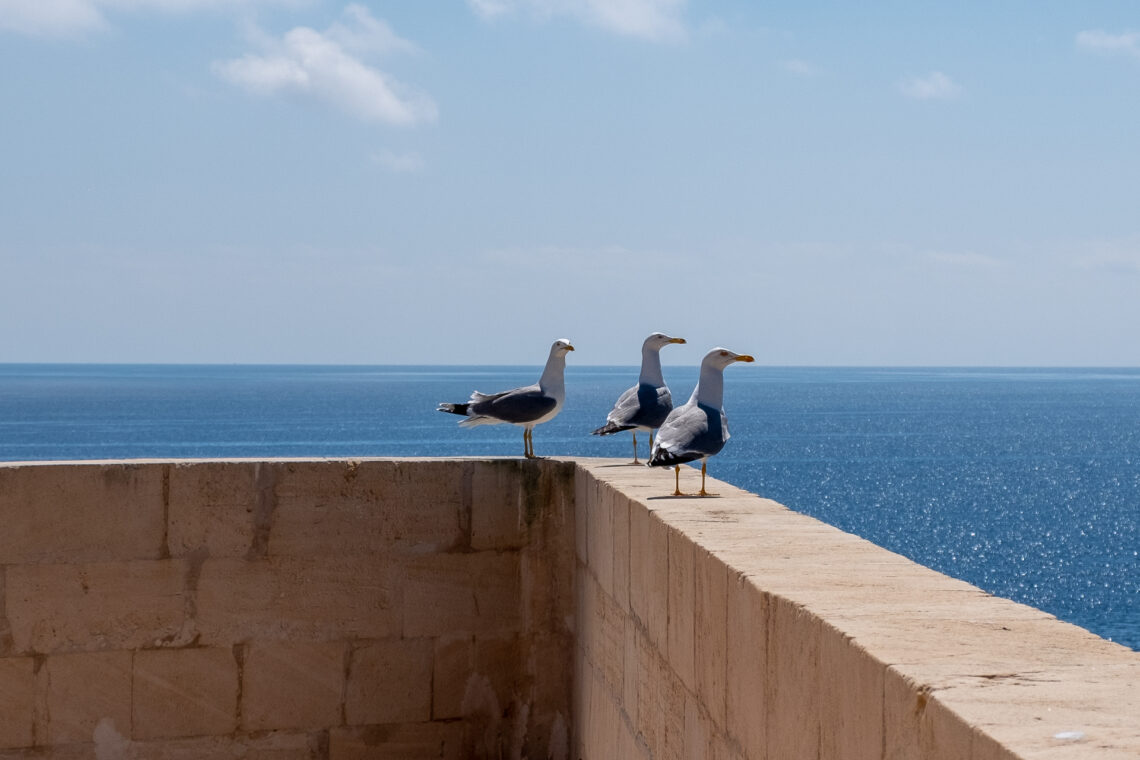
(684, 496)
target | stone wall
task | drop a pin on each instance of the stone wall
(505, 609)
(731, 628)
(300, 609)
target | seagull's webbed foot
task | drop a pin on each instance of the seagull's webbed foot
(703, 491)
(677, 481)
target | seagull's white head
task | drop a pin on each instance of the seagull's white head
(660, 340)
(722, 357)
(560, 347)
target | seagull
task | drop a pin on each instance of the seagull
(698, 429)
(645, 405)
(528, 406)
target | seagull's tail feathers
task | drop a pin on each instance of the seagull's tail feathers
(460, 409)
(612, 427)
(662, 457)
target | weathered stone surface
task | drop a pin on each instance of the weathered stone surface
(408, 741)
(288, 685)
(184, 692)
(476, 592)
(84, 691)
(746, 643)
(213, 507)
(710, 649)
(681, 647)
(17, 701)
(649, 573)
(498, 515)
(306, 597)
(118, 605)
(390, 681)
(272, 745)
(464, 663)
(350, 508)
(353, 596)
(851, 700)
(81, 513)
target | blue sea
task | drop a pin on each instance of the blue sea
(1025, 482)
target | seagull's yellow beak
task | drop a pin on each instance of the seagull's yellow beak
(676, 340)
(745, 358)
(569, 348)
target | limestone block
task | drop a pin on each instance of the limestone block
(184, 692)
(746, 658)
(942, 734)
(212, 506)
(338, 596)
(81, 513)
(793, 716)
(407, 741)
(272, 745)
(287, 685)
(84, 690)
(609, 652)
(682, 608)
(602, 718)
(390, 681)
(629, 748)
(652, 703)
(675, 696)
(498, 520)
(475, 592)
(631, 674)
(128, 605)
(620, 530)
(1085, 704)
(599, 539)
(329, 508)
(587, 614)
(904, 701)
(699, 731)
(17, 701)
(649, 565)
(851, 700)
(462, 663)
(710, 648)
(661, 703)
(585, 489)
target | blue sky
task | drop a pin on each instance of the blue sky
(903, 183)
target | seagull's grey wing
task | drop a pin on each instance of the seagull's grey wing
(691, 432)
(644, 405)
(625, 409)
(518, 406)
(618, 418)
(655, 403)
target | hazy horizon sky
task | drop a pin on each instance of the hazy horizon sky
(462, 182)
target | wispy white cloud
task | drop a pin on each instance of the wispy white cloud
(1099, 41)
(73, 18)
(1111, 256)
(964, 260)
(398, 163)
(798, 67)
(50, 18)
(655, 20)
(360, 32)
(326, 66)
(933, 86)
